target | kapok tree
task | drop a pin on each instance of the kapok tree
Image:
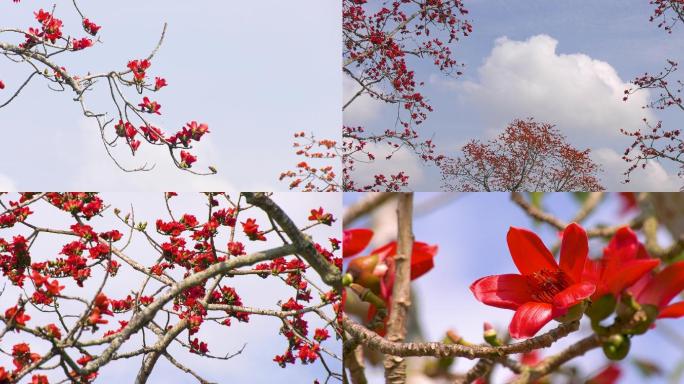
(62, 321)
(621, 292)
(655, 142)
(42, 48)
(526, 156)
(380, 38)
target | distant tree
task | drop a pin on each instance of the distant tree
(527, 156)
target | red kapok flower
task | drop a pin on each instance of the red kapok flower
(17, 315)
(54, 288)
(608, 375)
(544, 289)
(83, 43)
(187, 159)
(53, 331)
(659, 289)
(624, 262)
(322, 217)
(628, 202)
(159, 83)
(355, 240)
(376, 271)
(90, 27)
(39, 379)
(150, 106)
(251, 229)
(138, 67)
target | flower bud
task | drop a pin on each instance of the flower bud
(574, 313)
(643, 319)
(361, 271)
(490, 335)
(627, 307)
(347, 279)
(602, 308)
(616, 347)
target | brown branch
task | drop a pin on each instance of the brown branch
(559, 224)
(395, 366)
(481, 368)
(650, 230)
(354, 362)
(364, 206)
(552, 363)
(146, 315)
(305, 247)
(434, 349)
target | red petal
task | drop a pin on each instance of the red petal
(628, 274)
(355, 240)
(422, 259)
(387, 250)
(664, 286)
(573, 294)
(673, 311)
(624, 245)
(528, 251)
(609, 375)
(421, 256)
(592, 270)
(574, 251)
(529, 319)
(502, 291)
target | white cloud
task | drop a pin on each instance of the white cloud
(653, 178)
(583, 96)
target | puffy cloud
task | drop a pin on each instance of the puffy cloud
(653, 178)
(583, 96)
(579, 94)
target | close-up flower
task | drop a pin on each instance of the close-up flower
(544, 289)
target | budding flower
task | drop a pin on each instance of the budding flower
(454, 337)
(490, 335)
(616, 347)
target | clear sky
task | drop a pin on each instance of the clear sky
(260, 335)
(470, 230)
(255, 71)
(562, 62)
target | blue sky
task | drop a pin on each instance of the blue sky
(255, 71)
(260, 335)
(562, 62)
(470, 230)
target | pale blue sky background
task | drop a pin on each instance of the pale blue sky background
(255, 71)
(260, 335)
(580, 94)
(471, 233)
